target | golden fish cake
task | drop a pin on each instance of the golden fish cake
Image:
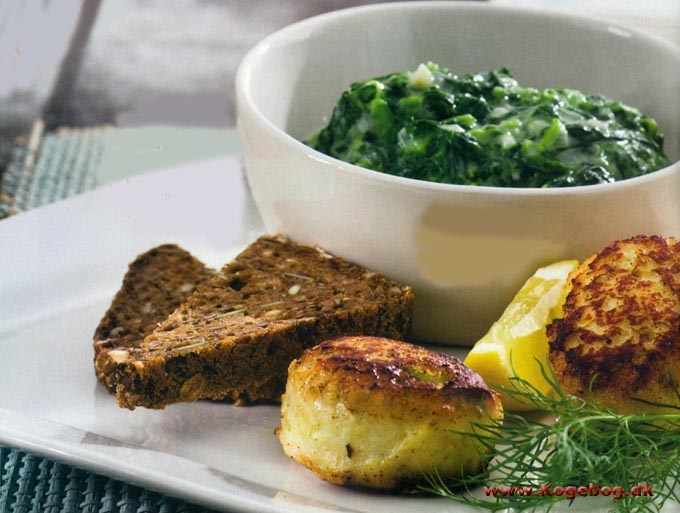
(618, 341)
(376, 413)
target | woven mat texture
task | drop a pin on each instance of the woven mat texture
(30, 484)
(43, 168)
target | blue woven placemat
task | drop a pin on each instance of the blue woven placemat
(30, 484)
(43, 168)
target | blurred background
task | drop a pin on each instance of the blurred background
(128, 85)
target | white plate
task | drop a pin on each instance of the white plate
(59, 268)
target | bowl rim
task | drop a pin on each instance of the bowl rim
(245, 98)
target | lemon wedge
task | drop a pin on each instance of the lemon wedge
(516, 344)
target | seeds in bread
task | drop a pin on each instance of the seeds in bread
(382, 414)
(236, 335)
(156, 283)
(619, 338)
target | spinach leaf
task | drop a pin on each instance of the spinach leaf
(486, 129)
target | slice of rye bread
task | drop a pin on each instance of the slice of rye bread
(156, 283)
(237, 333)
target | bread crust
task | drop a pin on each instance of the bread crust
(235, 336)
(156, 283)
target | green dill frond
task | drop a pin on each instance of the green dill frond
(573, 442)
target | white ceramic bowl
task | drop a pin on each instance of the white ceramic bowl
(465, 249)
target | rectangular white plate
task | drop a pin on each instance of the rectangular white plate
(59, 268)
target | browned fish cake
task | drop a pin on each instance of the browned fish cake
(619, 338)
(372, 412)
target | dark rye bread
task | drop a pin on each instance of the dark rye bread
(236, 335)
(156, 283)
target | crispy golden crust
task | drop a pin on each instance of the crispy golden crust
(377, 363)
(376, 413)
(620, 330)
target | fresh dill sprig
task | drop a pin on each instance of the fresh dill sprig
(574, 442)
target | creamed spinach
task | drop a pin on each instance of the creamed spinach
(486, 129)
